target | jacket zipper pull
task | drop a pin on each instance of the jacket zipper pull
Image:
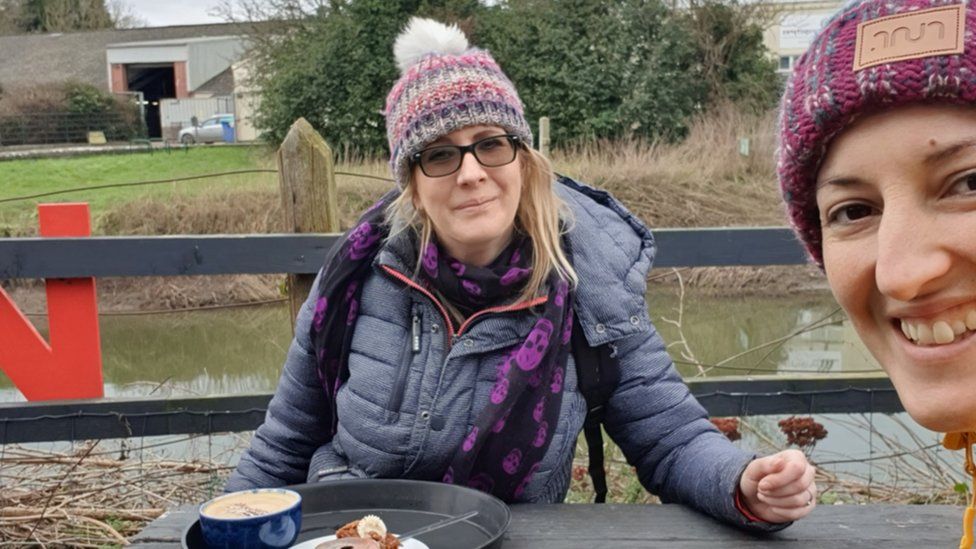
(415, 334)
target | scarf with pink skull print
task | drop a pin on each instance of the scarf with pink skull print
(510, 435)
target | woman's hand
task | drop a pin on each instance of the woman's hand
(780, 487)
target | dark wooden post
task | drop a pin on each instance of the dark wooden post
(308, 195)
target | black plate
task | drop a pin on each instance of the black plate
(403, 505)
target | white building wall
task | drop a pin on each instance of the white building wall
(210, 58)
(246, 100)
(795, 26)
(134, 54)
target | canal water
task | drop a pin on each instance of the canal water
(241, 351)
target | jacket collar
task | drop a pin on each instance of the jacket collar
(612, 254)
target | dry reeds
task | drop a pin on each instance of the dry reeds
(92, 496)
(703, 181)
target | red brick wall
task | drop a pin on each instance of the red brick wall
(179, 69)
(119, 83)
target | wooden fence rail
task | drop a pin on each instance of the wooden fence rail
(110, 256)
(305, 162)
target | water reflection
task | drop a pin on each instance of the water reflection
(757, 335)
(232, 351)
(239, 351)
(235, 351)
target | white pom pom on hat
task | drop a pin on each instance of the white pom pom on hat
(422, 37)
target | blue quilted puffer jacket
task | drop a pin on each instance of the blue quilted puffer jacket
(408, 404)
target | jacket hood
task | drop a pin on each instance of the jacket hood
(613, 251)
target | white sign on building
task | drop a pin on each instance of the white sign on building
(796, 30)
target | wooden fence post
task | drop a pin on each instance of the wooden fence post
(308, 195)
(544, 136)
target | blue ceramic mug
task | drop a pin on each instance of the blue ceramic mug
(262, 518)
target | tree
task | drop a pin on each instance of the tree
(123, 17)
(335, 66)
(728, 36)
(64, 15)
(598, 69)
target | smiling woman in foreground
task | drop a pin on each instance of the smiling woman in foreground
(877, 165)
(435, 344)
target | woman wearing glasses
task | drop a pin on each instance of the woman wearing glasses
(436, 342)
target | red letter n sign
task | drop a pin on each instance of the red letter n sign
(71, 365)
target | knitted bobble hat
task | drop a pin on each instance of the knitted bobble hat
(872, 55)
(444, 86)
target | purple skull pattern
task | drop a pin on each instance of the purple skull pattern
(567, 327)
(512, 460)
(500, 390)
(525, 481)
(540, 434)
(532, 351)
(448, 475)
(513, 275)
(535, 379)
(469, 440)
(361, 240)
(320, 307)
(471, 287)
(516, 258)
(500, 424)
(562, 288)
(540, 408)
(481, 482)
(429, 260)
(351, 290)
(353, 313)
(456, 266)
(557, 381)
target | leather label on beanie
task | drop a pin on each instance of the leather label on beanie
(923, 33)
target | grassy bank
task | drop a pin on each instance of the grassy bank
(700, 182)
(39, 176)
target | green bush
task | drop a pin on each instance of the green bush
(83, 98)
(66, 113)
(630, 68)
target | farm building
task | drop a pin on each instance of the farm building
(176, 73)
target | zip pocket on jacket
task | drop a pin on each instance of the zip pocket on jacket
(411, 348)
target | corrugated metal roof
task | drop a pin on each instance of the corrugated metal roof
(30, 59)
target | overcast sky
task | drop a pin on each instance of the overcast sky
(158, 13)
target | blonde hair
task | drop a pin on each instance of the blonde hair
(538, 216)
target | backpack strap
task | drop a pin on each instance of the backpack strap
(597, 373)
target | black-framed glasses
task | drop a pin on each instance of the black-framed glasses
(490, 152)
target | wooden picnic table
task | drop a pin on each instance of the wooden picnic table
(649, 526)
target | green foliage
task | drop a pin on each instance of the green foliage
(599, 70)
(81, 98)
(64, 15)
(728, 38)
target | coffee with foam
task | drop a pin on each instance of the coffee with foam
(249, 504)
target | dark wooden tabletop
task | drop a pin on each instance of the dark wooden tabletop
(673, 526)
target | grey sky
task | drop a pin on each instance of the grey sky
(161, 13)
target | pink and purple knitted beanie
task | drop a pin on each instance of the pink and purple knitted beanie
(444, 86)
(872, 55)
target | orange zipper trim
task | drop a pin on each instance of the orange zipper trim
(406, 280)
(502, 309)
(447, 319)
